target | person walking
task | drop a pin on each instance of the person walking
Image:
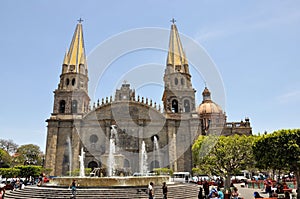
(220, 193)
(73, 188)
(200, 194)
(206, 188)
(151, 190)
(165, 190)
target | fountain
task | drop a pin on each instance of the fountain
(81, 161)
(113, 160)
(156, 151)
(70, 154)
(144, 159)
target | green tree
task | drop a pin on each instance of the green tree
(224, 156)
(9, 172)
(5, 159)
(29, 154)
(8, 145)
(29, 170)
(279, 151)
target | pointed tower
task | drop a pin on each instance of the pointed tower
(179, 95)
(71, 97)
(71, 102)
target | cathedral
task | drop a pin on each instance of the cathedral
(135, 124)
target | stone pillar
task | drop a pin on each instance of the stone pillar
(171, 130)
(76, 147)
(51, 147)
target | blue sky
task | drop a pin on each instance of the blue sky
(254, 45)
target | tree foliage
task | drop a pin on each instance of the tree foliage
(279, 151)
(29, 154)
(9, 172)
(8, 145)
(224, 155)
(29, 170)
(5, 159)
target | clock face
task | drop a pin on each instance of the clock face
(124, 97)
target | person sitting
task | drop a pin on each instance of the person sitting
(214, 195)
(235, 193)
(256, 195)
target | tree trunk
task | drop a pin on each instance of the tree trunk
(227, 182)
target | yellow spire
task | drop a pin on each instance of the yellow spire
(185, 61)
(176, 55)
(76, 53)
(66, 58)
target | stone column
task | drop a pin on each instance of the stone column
(51, 147)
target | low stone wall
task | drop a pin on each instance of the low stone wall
(110, 181)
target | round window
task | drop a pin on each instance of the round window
(93, 138)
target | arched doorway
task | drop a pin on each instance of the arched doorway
(93, 165)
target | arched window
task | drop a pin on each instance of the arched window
(182, 81)
(74, 106)
(73, 81)
(176, 81)
(174, 106)
(67, 81)
(187, 107)
(62, 106)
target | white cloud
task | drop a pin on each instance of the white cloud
(292, 96)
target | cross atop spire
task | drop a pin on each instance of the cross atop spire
(76, 53)
(80, 20)
(173, 20)
(176, 55)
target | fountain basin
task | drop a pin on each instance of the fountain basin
(131, 181)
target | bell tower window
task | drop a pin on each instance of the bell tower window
(187, 107)
(62, 106)
(176, 81)
(73, 81)
(67, 81)
(74, 106)
(174, 106)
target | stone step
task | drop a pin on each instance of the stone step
(186, 191)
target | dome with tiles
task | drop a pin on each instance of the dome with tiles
(208, 106)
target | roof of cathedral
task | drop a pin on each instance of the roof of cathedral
(176, 54)
(208, 106)
(76, 53)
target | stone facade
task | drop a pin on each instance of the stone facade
(175, 125)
